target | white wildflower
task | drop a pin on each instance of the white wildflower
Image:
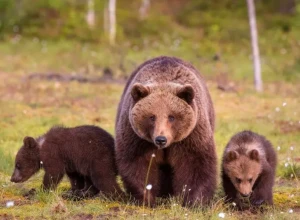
(278, 148)
(286, 164)
(221, 215)
(284, 104)
(10, 204)
(277, 109)
(292, 148)
(288, 159)
(153, 155)
(234, 204)
(292, 175)
(149, 187)
(41, 162)
(291, 211)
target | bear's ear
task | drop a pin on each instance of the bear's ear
(186, 93)
(139, 91)
(231, 156)
(254, 155)
(29, 142)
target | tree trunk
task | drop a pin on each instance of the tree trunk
(143, 11)
(90, 14)
(255, 48)
(112, 21)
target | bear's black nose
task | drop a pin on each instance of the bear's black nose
(160, 140)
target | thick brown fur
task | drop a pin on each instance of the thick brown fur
(84, 153)
(248, 169)
(167, 97)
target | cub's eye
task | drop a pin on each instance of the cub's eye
(171, 118)
(238, 180)
(152, 118)
(250, 180)
(18, 166)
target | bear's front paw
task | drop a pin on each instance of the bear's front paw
(30, 193)
(256, 200)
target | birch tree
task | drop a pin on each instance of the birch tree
(90, 15)
(112, 21)
(255, 49)
(143, 11)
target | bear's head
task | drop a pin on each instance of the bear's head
(163, 113)
(243, 170)
(27, 161)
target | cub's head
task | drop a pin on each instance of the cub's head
(27, 161)
(243, 170)
(163, 114)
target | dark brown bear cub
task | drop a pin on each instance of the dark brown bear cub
(84, 153)
(248, 170)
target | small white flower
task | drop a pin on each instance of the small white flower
(288, 159)
(286, 164)
(292, 175)
(284, 104)
(278, 148)
(189, 189)
(291, 211)
(221, 215)
(292, 195)
(41, 162)
(153, 155)
(277, 109)
(149, 187)
(234, 204)
(186, 214)
(292, 148)
(10, 204)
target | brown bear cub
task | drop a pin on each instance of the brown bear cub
(248, 170)
(84, 153)
(166, 111)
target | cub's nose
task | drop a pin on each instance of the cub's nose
(244, 195)
(160, 140)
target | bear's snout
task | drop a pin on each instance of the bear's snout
(160, 141)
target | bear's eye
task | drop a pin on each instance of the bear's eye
(152, 118)
(250, 180)
(238, 180)
(171, 118)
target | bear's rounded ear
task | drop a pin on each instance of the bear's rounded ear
(254, 155)
(139, 91)
(186, 93)
(231, 156)
(29, 142)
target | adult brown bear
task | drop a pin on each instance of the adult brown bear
(166, 110)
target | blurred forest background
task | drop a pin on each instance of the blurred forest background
(214, 35)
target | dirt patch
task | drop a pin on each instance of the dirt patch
(288, 126)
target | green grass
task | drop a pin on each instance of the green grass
(32, 107)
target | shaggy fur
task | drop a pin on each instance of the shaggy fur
(84, 153)
(248, 169)
(166, 110)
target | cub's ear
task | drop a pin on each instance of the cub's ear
(139, 91)
(231, 156)
(254, 155)
(186, 93)
(29, 142)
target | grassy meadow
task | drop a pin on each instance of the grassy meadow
(32, 106)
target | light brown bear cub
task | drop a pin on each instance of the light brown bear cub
(248, 169)
(84, 153)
